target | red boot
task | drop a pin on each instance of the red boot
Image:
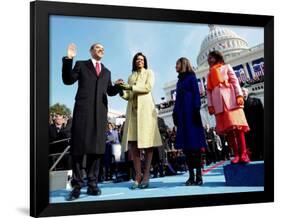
(234, 145)
(236, 158)
(244, 158)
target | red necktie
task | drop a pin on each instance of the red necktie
(98, 68)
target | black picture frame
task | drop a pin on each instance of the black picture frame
(39, 107)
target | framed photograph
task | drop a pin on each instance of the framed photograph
(144, 108)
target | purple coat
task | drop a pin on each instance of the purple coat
(190, 133)
(223, 94)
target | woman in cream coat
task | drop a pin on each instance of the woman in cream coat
(141, 129)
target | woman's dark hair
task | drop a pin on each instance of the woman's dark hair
(134, 67)
(185, 65)
(218, 56)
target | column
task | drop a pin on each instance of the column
(246, 71)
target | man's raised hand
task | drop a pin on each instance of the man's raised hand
(71, 51)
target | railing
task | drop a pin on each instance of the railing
(166, 110)
(259, 46)
(59, 154)
(58, 141)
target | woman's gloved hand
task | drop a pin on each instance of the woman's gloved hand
(211, 110)
(125, 86)
(240, 100)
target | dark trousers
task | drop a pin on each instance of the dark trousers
(211, 153)
(92, 170)
(193, 159)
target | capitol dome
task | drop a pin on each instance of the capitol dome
(221, 39)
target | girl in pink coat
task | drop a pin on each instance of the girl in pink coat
(225, 101)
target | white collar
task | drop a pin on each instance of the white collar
(94, 61)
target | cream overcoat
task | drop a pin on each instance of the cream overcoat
(148, 134)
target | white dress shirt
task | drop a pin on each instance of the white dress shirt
(94, 61)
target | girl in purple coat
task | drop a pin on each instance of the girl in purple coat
(186, 115)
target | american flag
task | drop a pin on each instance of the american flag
(237, 73)
(258, 69)
(262, 66)
(242, 76)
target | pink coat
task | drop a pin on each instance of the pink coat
(225, 94)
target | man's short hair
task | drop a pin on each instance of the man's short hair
(94, 45)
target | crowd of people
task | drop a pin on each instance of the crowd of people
(253, 81)
(117, 166)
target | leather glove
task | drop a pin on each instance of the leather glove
(126, 86)
(240, 100)
(211, 110)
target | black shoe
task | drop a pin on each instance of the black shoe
(74, 194)
(94, 191)
(144, 185)
(199, 180)
(134, 186)
(190, 181)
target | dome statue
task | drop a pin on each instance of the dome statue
(221, 39)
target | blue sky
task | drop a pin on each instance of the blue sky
(162, 42)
